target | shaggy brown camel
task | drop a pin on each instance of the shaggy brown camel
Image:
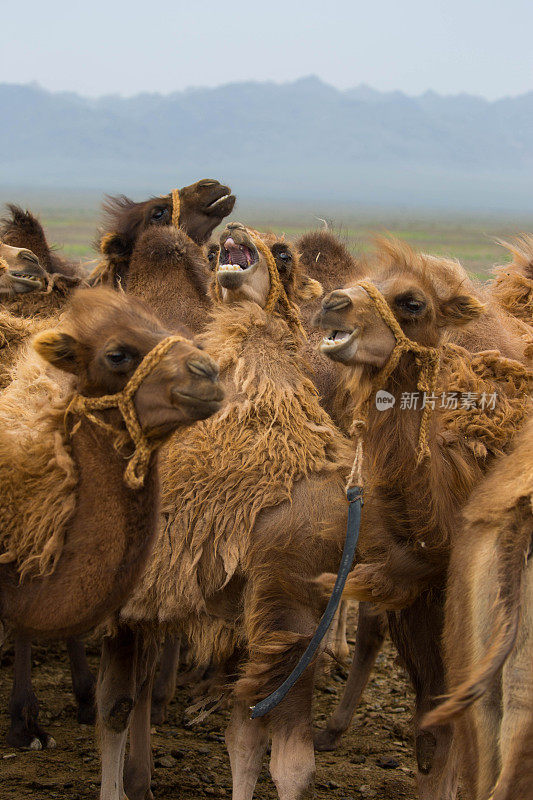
(197, 209)
(52, 544)
(391, 339)
(239, 544)
(488, 632)
(82, 346)
(494, 329)
(513, 285)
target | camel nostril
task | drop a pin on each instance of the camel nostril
(336, 301)
(203, 368)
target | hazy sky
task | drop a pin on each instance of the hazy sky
(101, 46)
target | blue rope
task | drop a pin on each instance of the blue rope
(355, 500)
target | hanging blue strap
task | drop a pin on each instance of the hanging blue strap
(355, 500)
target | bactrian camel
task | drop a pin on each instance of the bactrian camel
(264, 510)
(488, 632)
(59, 557)
(421, 461)
(494, 329)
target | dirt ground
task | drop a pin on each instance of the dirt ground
(375, 759)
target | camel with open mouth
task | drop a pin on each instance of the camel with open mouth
(263, 510)
(421, 461)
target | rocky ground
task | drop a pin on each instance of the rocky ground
(375, 759)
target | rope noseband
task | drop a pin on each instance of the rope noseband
(428, 361)
(135, 472)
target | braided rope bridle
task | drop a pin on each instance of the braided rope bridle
(135, 472)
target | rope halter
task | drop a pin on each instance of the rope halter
(426, 358)
(276, 292)
(135, 472)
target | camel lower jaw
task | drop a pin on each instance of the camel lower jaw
(340, 345)
(219, 202)
(25, 283)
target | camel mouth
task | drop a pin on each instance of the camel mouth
(340, 344)
(199, 407)
(235, 257)
(223, 199)
(24, 282)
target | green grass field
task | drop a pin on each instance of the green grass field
(71, 224)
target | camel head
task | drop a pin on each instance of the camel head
(424, 294)
(202, 206)
(242, 270)
(105, 335)
(20, 271)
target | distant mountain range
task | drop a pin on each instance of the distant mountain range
(293, 141)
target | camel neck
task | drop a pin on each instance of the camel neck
(107, 541)
(171, 293)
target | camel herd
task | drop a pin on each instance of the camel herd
(177, 428)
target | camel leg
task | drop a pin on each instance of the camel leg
(516, 731)
(83, 681)
(115, 699)
(24, 730)
(416, 632)
(138, 771)
(292, 760)
(165, 682)
(340, 645)
(371, 630)
(246, 741)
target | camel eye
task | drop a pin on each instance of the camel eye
(158, 214)
(118, 358)
(285, 256)
(410, 304)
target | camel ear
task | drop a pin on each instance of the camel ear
(460, 309)
(59, 349)
(112, 244)
(308, 289)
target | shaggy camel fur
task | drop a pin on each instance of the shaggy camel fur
(513, 285)
(489, 629)
(240, 541)
(417, 485)
(198, 210)
(494, 329)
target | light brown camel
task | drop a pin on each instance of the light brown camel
(20, 271)
(49, 480)
(513, 286)
(494, 329)
(201, 207)
(239, 544)
(54, 581)
(488, 633)
(420, 465)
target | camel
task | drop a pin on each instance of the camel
(23, 229)
(201, 207)
(238, 546)
(513, 285)
(395, 339)
(495, 328)
(488, 632)
(54, 581)
(197, 209)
